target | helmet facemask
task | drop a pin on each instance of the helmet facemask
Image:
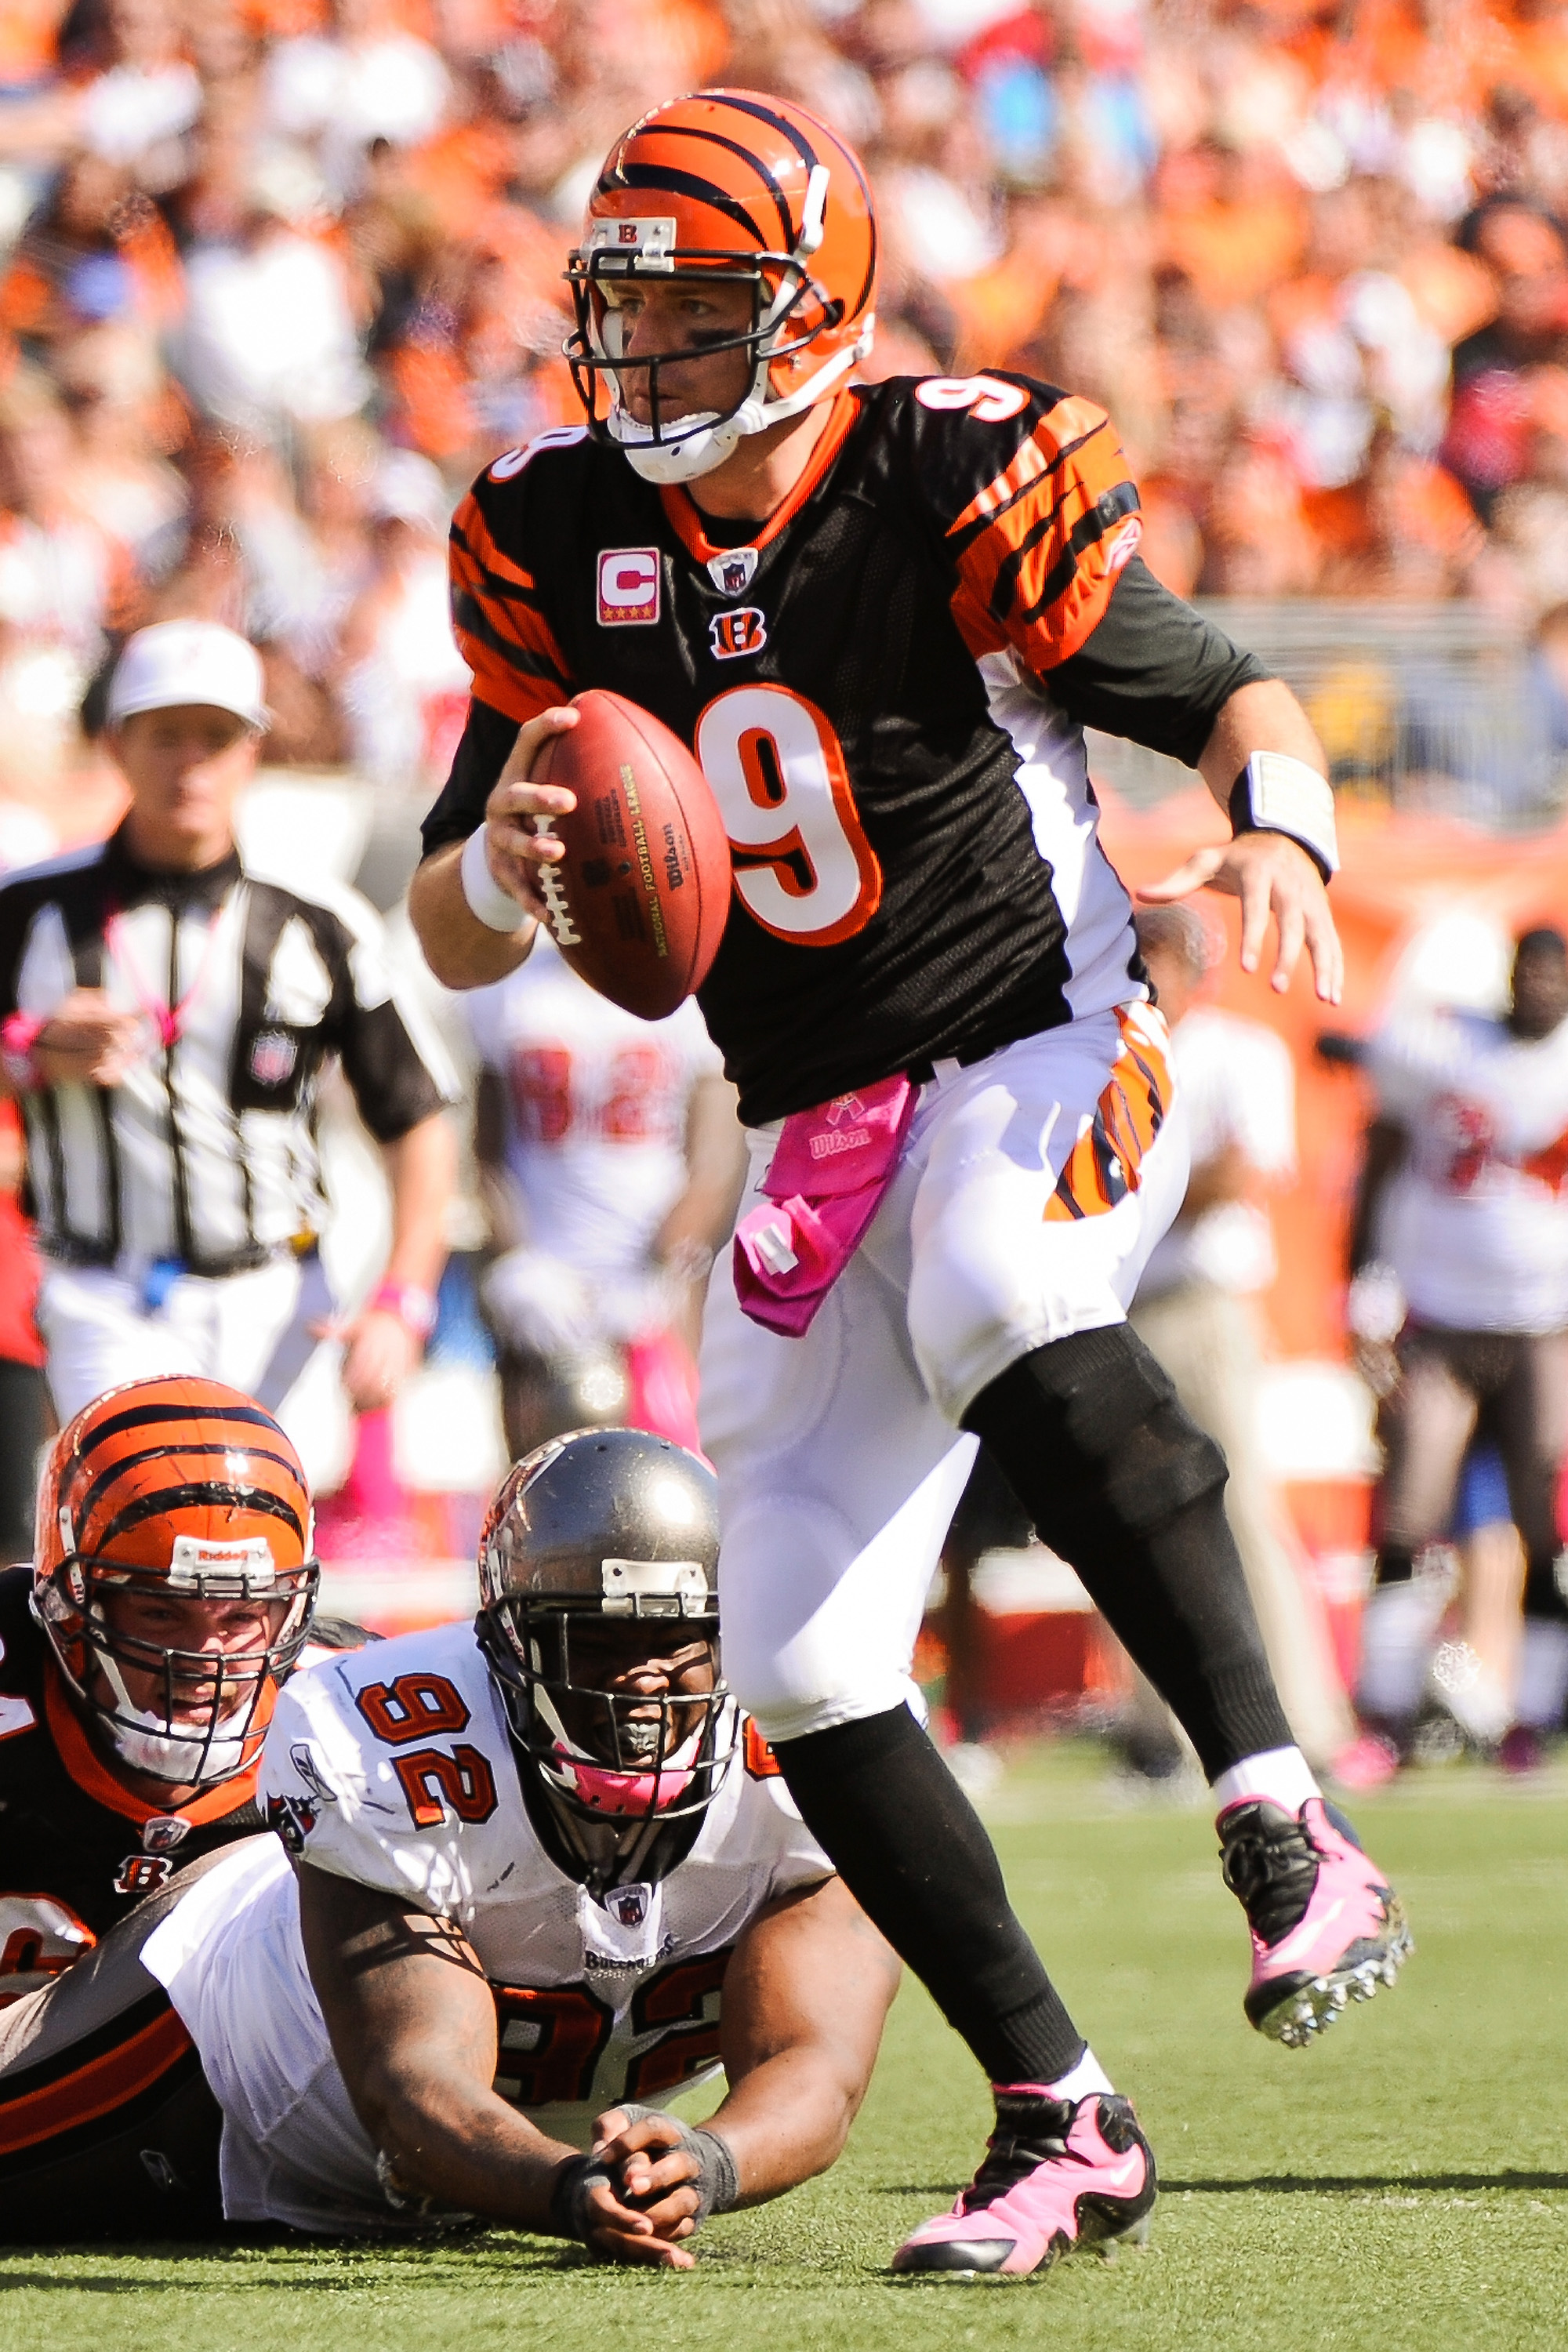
(788, 312)
(189, 1717)
(621, 1755)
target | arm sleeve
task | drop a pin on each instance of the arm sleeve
(483, 752)
(1030, 488)
(498, 613)
(336, 1803)
(1153, 669)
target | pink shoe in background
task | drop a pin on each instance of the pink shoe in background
(1370, 1762)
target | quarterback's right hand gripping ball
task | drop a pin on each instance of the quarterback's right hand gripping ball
(638, 903)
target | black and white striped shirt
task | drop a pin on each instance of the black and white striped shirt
(206, 1152)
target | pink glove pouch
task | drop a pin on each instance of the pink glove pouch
(825, 1181)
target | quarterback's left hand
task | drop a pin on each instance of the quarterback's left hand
(1272, 876)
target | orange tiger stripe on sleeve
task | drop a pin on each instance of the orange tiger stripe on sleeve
(1043, 566)
(1106, 1163)
(1071, 420)
(501, 632)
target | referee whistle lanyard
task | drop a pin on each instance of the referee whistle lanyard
(168, 1020)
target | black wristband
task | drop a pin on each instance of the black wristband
(717, 2183)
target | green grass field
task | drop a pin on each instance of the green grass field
(1405, 2184)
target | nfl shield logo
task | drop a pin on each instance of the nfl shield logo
(628, 1906)
(733, 572)
(272, 1058)
(163, 1832)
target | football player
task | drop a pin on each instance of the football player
(882, 617)
(141, 1656)
(546, 1875)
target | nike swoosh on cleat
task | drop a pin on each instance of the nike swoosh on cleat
(1302, 1937)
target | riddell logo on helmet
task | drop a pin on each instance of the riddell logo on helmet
(629, 587)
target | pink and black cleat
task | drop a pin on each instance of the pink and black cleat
(1058, 2174)
(1326, 1926)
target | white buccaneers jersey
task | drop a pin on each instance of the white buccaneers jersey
(596, 1106)
(395, 1768)
(1476, 1224)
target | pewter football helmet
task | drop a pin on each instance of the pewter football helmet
(607, 1527)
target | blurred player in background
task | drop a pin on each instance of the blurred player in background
(171, 1591)
(612, 1160)
(1458, 1306)
(546, 1875)
(164, 1020)
(1194, 1307)
(883, 616)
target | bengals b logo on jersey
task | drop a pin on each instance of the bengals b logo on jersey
(744, 631)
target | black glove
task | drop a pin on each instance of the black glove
(717, 2183)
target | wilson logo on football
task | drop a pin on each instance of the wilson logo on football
(744, 631)
(629, 587)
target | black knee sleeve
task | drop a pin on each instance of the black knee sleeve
(1121, 1482)
(1106, 1407)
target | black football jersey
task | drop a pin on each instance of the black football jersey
(77, 1851)
(885, 684)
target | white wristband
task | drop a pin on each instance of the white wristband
(1277, 794)
(493, 906)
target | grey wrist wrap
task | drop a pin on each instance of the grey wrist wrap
(717, 2183)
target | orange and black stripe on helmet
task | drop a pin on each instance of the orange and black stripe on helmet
(188, 1490)
(745, 188)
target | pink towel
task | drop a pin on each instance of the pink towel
(831, 1169)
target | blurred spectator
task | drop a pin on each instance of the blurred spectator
(1193, 1303)
(1458, 1307)
(612, 1158)
(1314, 261)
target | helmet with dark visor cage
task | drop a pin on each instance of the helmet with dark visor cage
(607, 1528)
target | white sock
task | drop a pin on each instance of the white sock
(1542, 1673)
(1088, 2076)
(1397, 1628)
(1280, 1775)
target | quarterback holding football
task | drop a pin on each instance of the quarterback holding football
(882, 617)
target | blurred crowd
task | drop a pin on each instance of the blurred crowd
(277, 275)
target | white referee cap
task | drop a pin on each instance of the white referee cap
(175, 663)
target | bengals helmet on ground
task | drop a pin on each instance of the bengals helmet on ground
(607, 1527)
(179, 1489)
(747, 190)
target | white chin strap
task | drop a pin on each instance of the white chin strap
(185, 1763)
(144, 1742)
(704, 441)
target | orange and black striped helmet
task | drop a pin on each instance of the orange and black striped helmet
(177, 1508)
(750, 190)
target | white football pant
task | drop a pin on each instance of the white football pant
(1032, 1186)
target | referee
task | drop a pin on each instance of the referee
(164, 1019)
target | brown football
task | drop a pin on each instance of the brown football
(638, 903)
